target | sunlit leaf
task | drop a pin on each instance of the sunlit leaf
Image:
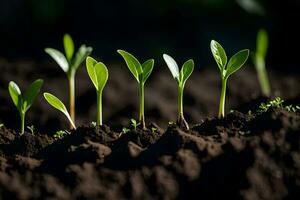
(219, 54)
(59, 58)
(237, 61)
(69, 46)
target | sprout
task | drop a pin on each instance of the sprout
(98, 74)
(259, 62)
(69, 65)
(234, 64)
(180, 77)
(134, 124)
(31, 129)
(24, 102)
(56, 103)
(141, 72)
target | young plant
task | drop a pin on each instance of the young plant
(57, 104)
(226, 69)
(98, 74)
(69, 65)
(134, 124)
(60, 134)
(259, 62)
(31, 129)
(180, 77)
(141, 72)
(24, 102)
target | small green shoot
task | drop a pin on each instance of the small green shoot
(181, 78)
(98, 74)
(93, 124)
(134, 124)
(277, 103)
(69, 65)
(31, 129)
(125, 130)
(1, 125)
(60, 134)
(259, 62)
(141, 72)
(57, 104)
(153, 130)
(24, 102)
(226, 69)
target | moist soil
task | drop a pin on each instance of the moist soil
(246, 155)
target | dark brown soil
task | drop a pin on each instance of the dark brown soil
(243, 156)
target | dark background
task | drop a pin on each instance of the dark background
(149, 28)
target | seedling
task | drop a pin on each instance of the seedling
(259, 62)
(60, 134)
(1, 125)
(93, 124)
(134, 124)
(141, 72)
(69, 65)
(277, 103)
(31, 129)
(98, 74)
(57, 104)
(125, 130)
(24, 102)
(227, 69)
(181, 78)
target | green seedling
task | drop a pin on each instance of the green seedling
(134, 124)
(57, 104)
(24, 102)
(93, 124)
(141, 72)
(1, 125)
(98, 74)
(125, 130)
(259, 62)
(60, 134)
(227, 69)
(69, 64)
(181, 78)
(277, 103)
(31, 129)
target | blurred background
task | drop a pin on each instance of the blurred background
(148, 28)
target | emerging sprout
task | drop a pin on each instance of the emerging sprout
(180, 77)
(60, 134)
(134, 124)
(31, 129)
(141, 72)
(56, 103)
(24, 102)
(234, 64)
(98, 74)
(69, 65)
(259, 62)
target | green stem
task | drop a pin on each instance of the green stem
(22, 116)
(222, 99)
(142, 103)
(99, 108)
(180, 119)
(72, 98)
(263, 77)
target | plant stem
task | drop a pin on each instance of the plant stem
(72, 98)
(142, 103)
(22, 116)
(222, 99)
(180, 119)
(99, 108)
(263, 77)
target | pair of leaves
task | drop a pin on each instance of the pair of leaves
(185, 72)
(69, 63)
(24, 102)
(57, 104)
(98, 73)
(141, 72)
(235, 62)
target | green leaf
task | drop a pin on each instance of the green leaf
(219, 54)
(56, 103)
(236, 62)
(186, 71)
(59, 58)
(69, 47)
(31, 93)
(90, 67)
(147, 69)
(173, 67)
(262, 43)
(102, 75)
(15, 94)
(81, 55)
(132, 63)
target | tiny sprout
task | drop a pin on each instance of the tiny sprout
(181, 78)
(153, 130)
(98, 74)
(226, 69)
(69, 65)
(1, 125)
(31, 129)
(56, 103)
(125, 130)
(141, 72)
(275, 103)
(134, 124)
(60, 134)
(259, 62)
(24, 102)
(93, 124)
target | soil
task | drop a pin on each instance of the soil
(246, 155)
